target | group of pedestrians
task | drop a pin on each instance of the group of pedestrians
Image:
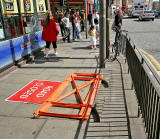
(77, 25)
(50, 30)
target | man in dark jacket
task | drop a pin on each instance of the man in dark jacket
(90, 18)
(118, 22)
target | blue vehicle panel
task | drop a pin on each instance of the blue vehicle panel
(26, 46)
(41, 42)
(16, 46)
(6, 56)
(14, 49)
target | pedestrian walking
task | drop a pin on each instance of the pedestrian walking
(118, 23)
(82, 21)
(90, 18)
(78, 25)
(49, 33)
(61, 24)
(75, 26)
(92, 33)
(65, 20)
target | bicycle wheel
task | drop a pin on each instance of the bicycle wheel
(112, 52)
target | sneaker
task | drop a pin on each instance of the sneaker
(94, 47)
(46, 56)
(56, 53)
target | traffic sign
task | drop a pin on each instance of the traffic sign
(36, 91)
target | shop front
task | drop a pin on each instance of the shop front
(90, 6)
(29, 15)
(20, 29)
(2, 36)
(69, 5)
(18, 17)
(96, 4)
(10, 19)
(27, 12)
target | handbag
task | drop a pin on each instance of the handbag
(96, 21)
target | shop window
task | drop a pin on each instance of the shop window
(40, 17)
(1, 29)
(27, 23)
(31, 24)
(12, 26)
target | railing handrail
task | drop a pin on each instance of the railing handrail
(149, 66)
(157, 77)
(146, 82)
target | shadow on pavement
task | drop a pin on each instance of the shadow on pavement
(114, 118)
(51, 67)
(86, 47)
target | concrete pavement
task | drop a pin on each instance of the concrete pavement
(116, 104)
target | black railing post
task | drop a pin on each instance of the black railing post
(146, 83)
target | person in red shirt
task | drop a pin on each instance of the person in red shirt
(50, 32)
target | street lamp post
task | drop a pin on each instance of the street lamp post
(107, 27)
(102, 41)
(86, 18)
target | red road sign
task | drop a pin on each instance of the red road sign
(36, 91)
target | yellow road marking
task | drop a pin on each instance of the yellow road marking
(154, 63)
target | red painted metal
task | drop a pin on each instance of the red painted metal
(85, 106)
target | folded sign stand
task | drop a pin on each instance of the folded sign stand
(85, 106)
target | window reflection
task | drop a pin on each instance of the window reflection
(12, 26)
(1, 29)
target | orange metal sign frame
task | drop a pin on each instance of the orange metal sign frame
(85, 106)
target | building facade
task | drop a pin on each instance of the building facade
(155, 6)
(146, 3)
(18, 17)
(69, 5)
(121, 3)
(131, 3)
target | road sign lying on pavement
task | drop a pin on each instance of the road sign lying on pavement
(36, 91)
(84, 105)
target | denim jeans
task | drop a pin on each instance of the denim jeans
(67, 35)
(75, 33)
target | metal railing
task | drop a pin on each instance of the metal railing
(147, 86)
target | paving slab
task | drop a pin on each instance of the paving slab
(19, 127)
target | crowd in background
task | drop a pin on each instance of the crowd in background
(77, 20)
(69, 21)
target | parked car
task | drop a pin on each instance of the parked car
(156, 13)
(147, 15)
(135, 14)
